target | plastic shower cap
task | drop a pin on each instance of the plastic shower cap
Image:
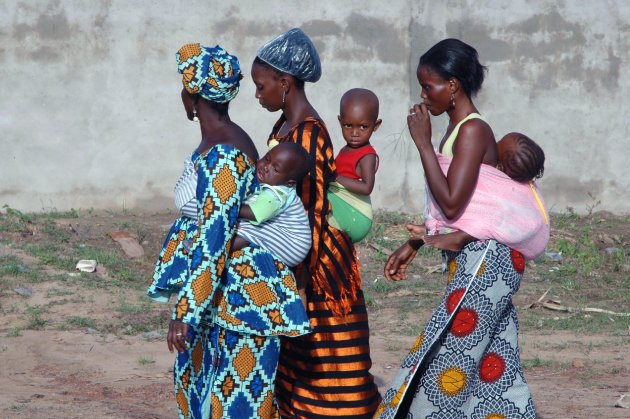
(293, 53)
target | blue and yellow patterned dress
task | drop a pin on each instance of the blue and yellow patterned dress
(236, 303)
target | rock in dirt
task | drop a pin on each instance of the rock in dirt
(578, 364)
(623, 401)
(130, 246)
(153, 335)
(24, 291)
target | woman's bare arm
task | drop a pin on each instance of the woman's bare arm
(451, 192)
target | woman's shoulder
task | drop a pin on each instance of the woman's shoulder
(476, 127)
(227, 152)
(476, 138)
(307, 122)
(309, 126)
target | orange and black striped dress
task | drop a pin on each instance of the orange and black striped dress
(326, 373)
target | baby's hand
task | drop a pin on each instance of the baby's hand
(416, 232)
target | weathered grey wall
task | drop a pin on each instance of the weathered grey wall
(91, 115)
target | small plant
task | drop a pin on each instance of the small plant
(392, 346)
(35, 321)
(146, 361)
(535, 362)
(13, 333)
(80, 321)
(14, 220)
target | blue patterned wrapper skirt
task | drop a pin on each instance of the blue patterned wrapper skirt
(466, 362)
(226, 374)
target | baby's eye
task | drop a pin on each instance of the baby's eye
(347, 126)
(364, 127)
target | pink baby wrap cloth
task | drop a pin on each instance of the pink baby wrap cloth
(510, 212)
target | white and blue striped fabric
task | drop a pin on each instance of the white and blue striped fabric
(186, 189)
(287, 236)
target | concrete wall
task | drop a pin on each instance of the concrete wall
(91, 114)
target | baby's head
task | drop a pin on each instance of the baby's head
(285, 164)
(520, 157)
(358, 116)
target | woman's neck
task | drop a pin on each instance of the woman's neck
(213, 129)
(297, 108)
(461, 111)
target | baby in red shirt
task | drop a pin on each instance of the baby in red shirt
(357, 163)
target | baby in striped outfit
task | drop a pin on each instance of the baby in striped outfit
(274, 218)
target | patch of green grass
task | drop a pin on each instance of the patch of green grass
(390, 218)
(126, 307)
(371, 302)
(62, 214)
(146, 361)
(586, 323)
(54, 232)
(535, 362)
(49, 253)
(9, 265)
(58, 292)
(14, 332)
(57, 302)
(79, 321)
(383, 286)
(18, 406)
(411, 328)
(15, 221)
(392, 346)
(35, 320)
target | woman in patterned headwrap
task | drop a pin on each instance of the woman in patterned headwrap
(325, 373)
(231, 305)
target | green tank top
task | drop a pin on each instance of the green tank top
(447, 148)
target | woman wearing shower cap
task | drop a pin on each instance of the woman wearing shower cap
(231, 306)
(325, 373)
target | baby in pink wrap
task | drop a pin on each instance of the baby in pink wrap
(505, 208)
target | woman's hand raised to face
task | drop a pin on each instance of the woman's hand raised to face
(419, 123)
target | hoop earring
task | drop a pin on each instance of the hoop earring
(195, 117)
(453, 99)
(284, 94)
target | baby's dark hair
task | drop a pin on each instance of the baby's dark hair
(299, 84)
(303, 161)
(526, 161)
(454, 58)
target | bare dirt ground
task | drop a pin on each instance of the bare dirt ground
(91, 345)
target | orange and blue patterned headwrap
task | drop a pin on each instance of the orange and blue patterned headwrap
(210, 72)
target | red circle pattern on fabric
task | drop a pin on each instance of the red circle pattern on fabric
(465, 322)
(517, 261)
(453, 299)
(492, 367)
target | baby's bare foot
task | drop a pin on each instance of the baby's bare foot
(443, 241)
(416, 232)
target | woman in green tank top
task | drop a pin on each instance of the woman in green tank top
(466, 361)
